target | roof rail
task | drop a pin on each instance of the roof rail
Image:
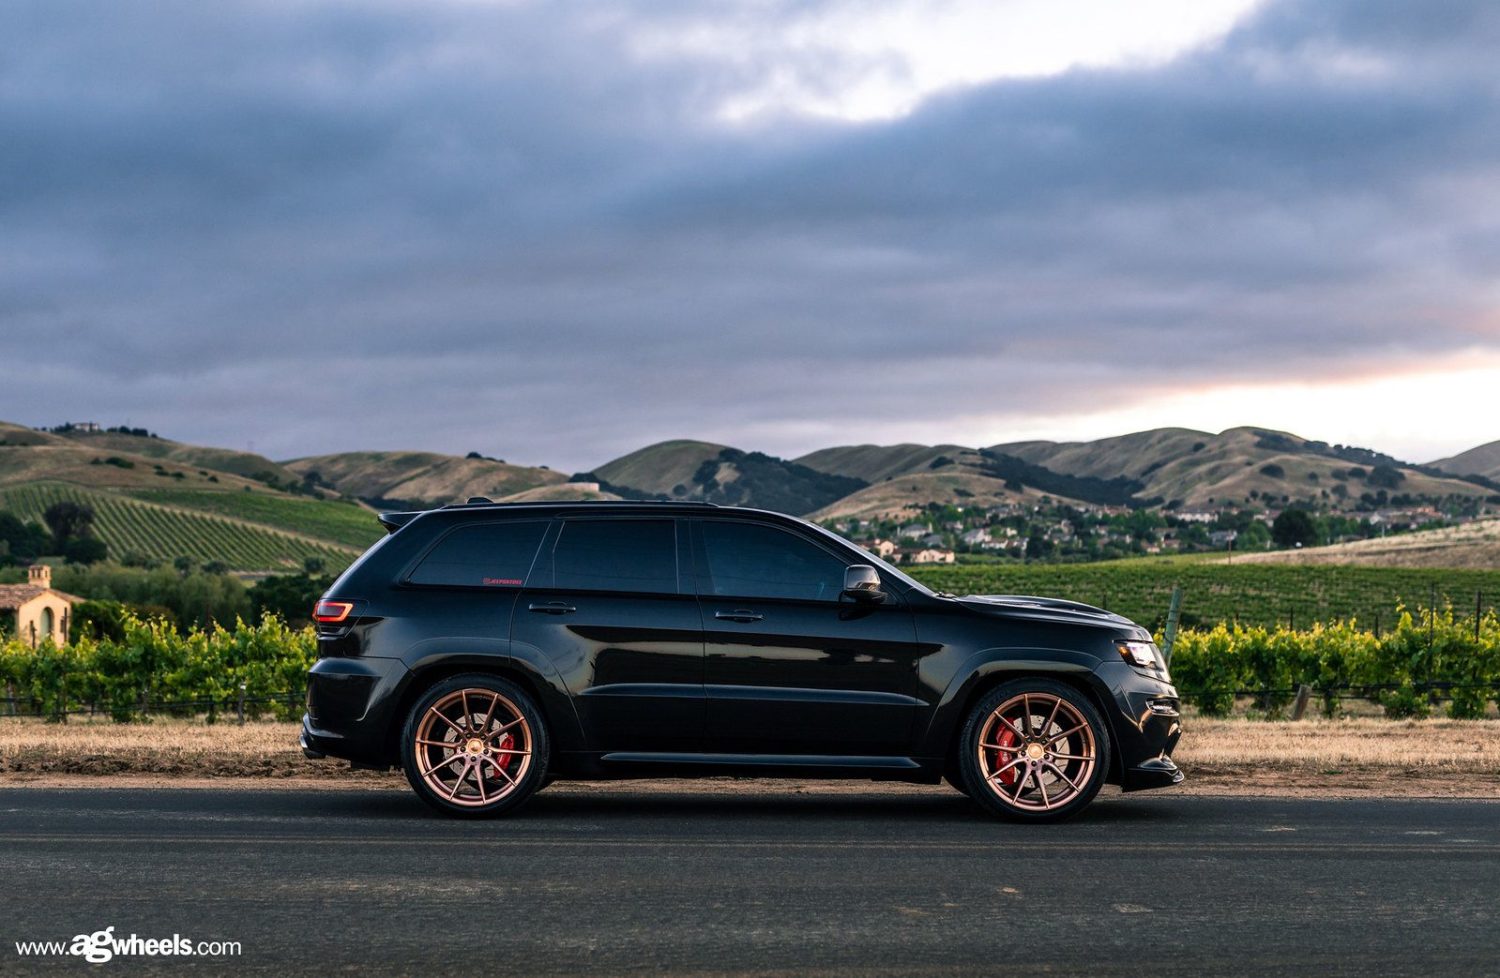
(483, 501)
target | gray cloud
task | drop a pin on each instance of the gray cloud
(329, 226)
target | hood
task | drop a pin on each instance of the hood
(1032, 606)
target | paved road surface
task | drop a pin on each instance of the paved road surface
(686, 883)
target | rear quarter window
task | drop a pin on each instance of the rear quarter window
(482, 555)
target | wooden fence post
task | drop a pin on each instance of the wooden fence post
(242, 704)
(1169, 633)
(1299, 705)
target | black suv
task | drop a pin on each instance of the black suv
(488, 649)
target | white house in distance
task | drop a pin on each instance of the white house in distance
(34, 612)
(931, 555)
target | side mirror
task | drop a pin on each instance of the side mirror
(862, 583)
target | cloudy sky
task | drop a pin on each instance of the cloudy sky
(555, 232)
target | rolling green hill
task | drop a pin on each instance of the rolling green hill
(718, 474)
(154, 529)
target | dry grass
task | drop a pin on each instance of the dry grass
(1437, 746)
(1362, 756)
(1473, 545)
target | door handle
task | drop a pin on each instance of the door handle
(552, 608)
(740, 615)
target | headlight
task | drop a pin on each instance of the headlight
(1141, 654)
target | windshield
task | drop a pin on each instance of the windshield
(908, 582)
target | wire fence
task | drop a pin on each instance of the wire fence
(235, 708)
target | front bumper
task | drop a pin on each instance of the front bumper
(1147, 724)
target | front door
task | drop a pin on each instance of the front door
(792, 667)
(609, 606)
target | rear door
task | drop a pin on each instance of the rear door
(791, 667)
(611, 604)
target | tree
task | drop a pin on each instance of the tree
(1294, 527)
(68, 521)
(85, 550)
(20, 543)
(313, 566)
(291, 596)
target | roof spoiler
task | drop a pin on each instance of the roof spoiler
(395, 521)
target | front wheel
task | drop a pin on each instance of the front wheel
(1034, 750)
(474, 746)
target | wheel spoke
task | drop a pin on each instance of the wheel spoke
(444, 763)
(439, 714)
(453, 792)
(1026, 713)
(1011, 724)
(1058, 771)
(1037, 773)
(1066, 733)
(503, 773)
(479, 780)
(1003, 769)
(468, 717)
(437, 743)
(1056, 705)
(1072, 757)
(484, 728)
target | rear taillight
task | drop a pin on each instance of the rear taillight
(332, 612)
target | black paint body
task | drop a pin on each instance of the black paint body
(683, 683)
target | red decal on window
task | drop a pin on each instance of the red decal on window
(503, 580)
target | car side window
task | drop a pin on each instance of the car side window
(616, 555)
(482, 555)
(752, 561)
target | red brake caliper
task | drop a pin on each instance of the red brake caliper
(507, 742)
(1007, 739)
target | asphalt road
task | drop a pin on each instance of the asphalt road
(674, 883)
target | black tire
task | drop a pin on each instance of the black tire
(475, 707)
(1031, 769)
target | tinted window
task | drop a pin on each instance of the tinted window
(482, 555)
(751, 561)
(616, 555)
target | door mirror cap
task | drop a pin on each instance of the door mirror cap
(862, 583)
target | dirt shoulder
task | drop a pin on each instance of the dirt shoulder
(1239, 757)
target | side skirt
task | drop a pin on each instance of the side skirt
(643, 764)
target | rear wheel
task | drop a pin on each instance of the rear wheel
(475, 746)
(1034, 750)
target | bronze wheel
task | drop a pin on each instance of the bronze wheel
(1034, 749)
(474, 745)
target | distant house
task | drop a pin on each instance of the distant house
(977, 536)
(931, 555)
(1223, 538)
(882, 548)
(914, 531)
(34, 612)
(933, 540)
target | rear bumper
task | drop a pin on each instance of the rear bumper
(349, 708)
